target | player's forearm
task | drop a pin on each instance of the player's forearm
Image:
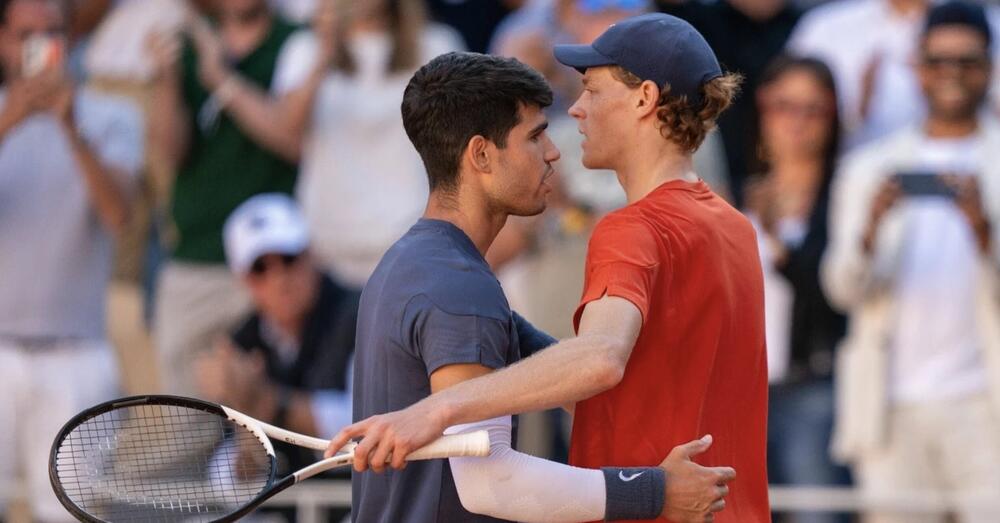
(568, 372)
(514, 486)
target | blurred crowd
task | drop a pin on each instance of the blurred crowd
(193, 194)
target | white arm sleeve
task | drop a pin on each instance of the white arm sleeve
(511, 485)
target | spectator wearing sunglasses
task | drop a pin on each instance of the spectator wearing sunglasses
(799, 137)
(289, 362)
(917, 268)
(877, 86)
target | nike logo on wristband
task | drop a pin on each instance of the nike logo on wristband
(621, 476)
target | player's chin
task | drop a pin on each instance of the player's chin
(533, 208)
(590, 160)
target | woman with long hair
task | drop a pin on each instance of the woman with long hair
(799, 146)
(361, 183)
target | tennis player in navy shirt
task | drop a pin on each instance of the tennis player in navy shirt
(431, 302)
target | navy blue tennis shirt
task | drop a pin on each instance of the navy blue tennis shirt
(432, 301)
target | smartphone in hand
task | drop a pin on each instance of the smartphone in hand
(40, 53)
(923, 183)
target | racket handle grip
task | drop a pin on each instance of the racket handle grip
(454, 445)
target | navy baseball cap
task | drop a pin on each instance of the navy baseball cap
(958, 12)
(653, 46)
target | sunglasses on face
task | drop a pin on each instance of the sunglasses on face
(260, 267)
(806, 110)
(966, 62)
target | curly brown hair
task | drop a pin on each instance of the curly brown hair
(682, 122)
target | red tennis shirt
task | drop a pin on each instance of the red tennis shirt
(689, 263)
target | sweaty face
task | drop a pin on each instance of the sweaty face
(602, 116)
(954, 71)
(524, 166)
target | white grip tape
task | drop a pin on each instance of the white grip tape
(457, 445)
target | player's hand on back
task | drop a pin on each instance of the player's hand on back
(394, 435)
(694, 493)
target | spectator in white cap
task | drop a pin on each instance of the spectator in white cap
(287, 363)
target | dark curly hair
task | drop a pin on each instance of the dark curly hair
(457, 96)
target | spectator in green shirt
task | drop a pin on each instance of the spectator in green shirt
(231, 129)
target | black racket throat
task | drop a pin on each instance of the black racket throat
(162, 458)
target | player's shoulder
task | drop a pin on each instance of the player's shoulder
(628, 220)
(435, 269)
(466, 291)
(625, 235)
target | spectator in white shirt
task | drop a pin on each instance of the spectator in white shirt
(919, 372)
(361, 183)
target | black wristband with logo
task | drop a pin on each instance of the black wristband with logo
(634, 493)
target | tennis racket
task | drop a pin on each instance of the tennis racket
(169, 458)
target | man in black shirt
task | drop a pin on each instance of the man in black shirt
(289, 362)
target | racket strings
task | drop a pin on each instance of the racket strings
(161, 463)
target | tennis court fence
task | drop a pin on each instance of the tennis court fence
(312, 498)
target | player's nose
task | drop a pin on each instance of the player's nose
(552, 154)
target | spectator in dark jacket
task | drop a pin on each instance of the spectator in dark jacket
(788, 204)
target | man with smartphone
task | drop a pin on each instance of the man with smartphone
(914, 259)
(68, 157)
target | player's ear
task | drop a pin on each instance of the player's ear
(480, 153)
(647, 96)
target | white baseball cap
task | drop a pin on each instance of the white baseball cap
(265, 224)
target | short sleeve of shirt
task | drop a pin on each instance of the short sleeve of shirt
(623, 260)
(443, 338)
(295, 62)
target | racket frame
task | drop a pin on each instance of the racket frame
(474, 444)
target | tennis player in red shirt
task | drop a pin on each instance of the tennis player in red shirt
(670, 328)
